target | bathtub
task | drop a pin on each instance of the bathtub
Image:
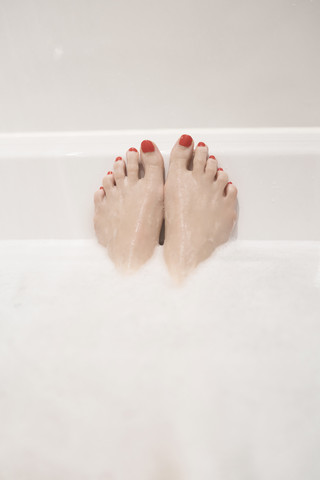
(106, 377)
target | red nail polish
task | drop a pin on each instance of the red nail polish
(201, 144)
(212, 156)
(229, 183)
(101, 188)
(147, 146)
(109, 173)
(132, 149)
(221, 169)
(185, 140)
(118, 158)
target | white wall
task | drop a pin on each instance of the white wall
(94, 64)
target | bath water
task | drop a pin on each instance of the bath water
(104, 377)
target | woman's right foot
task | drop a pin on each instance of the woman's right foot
(200, 207)
(129, 210)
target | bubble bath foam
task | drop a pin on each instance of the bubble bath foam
(109, 377)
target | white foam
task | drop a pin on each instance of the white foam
(103, 377)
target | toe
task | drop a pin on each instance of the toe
(119, 171)
(99, 196)
(108, 182)
(221, 179)
(152, 161)
(231, 191)
(182, 152)
(211, 167)
(132, 165)
(200, 158)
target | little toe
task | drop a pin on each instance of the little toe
(231, 191)
(119, 171)
(221, 179)
(99, 196)
(200, 158)
(108, 182)
(132, 165)
(211, 167)
(182, 153)
(152, 161)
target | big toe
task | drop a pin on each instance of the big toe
(152, 161)
(182, 152)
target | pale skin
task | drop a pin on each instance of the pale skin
(197, 202)
(129, 210)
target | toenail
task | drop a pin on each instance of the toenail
(201, 144)
(101, 188)
(229, 183)
(132, 149)
(118, 158)
(147, 146)
(185, 140)
(221, 169)
(109, 173)
(212, 156)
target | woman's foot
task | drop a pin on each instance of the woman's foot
(129, 210)
(200, 207)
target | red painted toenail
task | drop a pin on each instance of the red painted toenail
(201, 144)
(109, 173)
(185, 140)
(118, 158)
(147, 146)
(101, 188)
(132, 149)
(221, 169)
(212, 156)
(229, 183)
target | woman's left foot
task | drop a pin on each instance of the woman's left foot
(129, 210)
(200, 207)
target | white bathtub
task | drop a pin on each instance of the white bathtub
(277, 172)
(104, 377)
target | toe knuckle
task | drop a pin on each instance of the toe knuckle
(132, 168)
(223, 176)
